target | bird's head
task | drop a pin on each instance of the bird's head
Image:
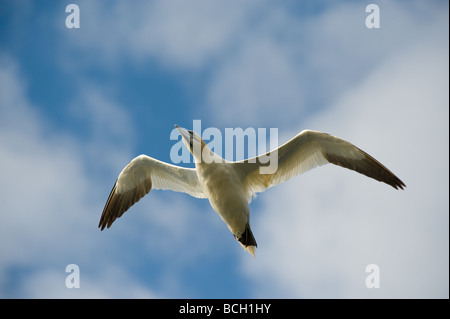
(192, 141)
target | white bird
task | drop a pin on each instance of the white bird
(230, 186)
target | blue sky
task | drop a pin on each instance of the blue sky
(76, 105)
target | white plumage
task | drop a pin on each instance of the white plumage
(230, 186)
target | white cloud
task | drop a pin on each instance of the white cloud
(49, 205)
(282, 67)
(178, 34)
(190, 33)
(108, 135)
(319, 232)
(110, 283)
(255, 83)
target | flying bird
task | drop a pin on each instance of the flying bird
(229, 186)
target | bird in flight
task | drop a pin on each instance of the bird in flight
(229, 186)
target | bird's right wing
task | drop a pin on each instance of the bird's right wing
(137, 179)
(305, 151)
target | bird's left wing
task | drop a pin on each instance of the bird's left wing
(305, 151)
(137, 179)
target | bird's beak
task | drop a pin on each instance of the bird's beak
(184, 133)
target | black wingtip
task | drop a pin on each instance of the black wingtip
(401, 186)
(101, 224)
(396, 183)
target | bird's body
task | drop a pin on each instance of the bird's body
(230, 186)
(223, 188)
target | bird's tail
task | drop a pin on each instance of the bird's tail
(248, 241)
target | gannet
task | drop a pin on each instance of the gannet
(230, 185)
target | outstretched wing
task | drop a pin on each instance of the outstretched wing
(137, 179)
(306, 151)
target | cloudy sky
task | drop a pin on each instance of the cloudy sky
(76, 105)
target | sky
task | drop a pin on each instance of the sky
(77, 104)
